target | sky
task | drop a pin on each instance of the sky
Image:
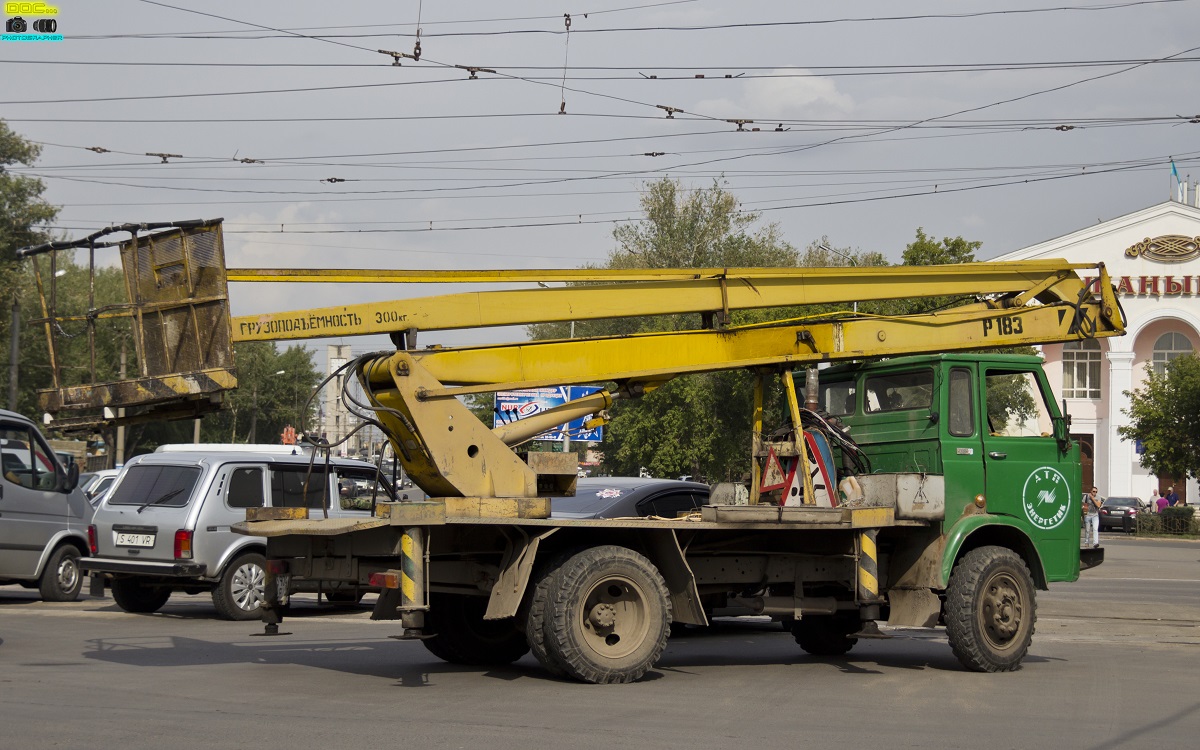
(1007, 122)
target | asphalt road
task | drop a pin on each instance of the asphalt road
(1115, 663)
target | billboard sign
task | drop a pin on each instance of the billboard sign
(513, 405)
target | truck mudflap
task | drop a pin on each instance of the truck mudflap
(1090, 557)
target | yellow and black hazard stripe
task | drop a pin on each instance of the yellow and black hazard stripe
(868, 565)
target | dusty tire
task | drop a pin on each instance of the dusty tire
(462, 636)
(62, 578)
(540, 599)
(609, 616)
(132, 595)
(990, 610)
(239, 594)
(825, 635)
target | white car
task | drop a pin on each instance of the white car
(94, 483)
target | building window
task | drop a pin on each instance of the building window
(1081, 369)
(1168, 347)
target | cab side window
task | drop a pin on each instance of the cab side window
(1016, 406)
(899, 391)
(245, 488)
(24, 459)
(962, 405)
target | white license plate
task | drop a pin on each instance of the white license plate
(133, 540)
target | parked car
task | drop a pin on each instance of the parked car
(43, 514)
(164, 526)
(94, 483)
(1116, 509)
(626, 497)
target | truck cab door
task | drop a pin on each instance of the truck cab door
(962, 433)
(1028, 475)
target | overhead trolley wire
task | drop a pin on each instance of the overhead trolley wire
(284, 33)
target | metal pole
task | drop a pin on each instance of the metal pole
(14, 350)
(254, 414)
(121, 413)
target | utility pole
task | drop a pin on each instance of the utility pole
(253, 414)
(14, 350)
(121, 413)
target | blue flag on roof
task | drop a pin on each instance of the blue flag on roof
(1178, 184)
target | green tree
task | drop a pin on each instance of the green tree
(699, 424)
(1163, 417)
(926, 251)
(23, 216)
(23, 211)
(273, 388)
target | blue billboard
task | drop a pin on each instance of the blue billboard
(513, 405)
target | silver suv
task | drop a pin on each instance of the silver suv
(164, 525)
(43, 514)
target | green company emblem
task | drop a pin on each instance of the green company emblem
(1046, 498)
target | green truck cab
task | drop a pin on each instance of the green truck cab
(987, 423)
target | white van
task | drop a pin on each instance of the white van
(43, 514)
(164, 525)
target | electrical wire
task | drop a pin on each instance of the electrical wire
(284, 33)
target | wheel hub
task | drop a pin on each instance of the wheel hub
(1002, 610)
(603, 616)
(613, 617)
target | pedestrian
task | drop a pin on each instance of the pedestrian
(1092, 503)
(1172, 498)
(1152, 503)
(1160, 503)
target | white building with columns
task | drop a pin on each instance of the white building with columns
(1153, 257)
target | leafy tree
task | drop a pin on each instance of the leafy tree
(926, 251)
(1163, 418)
(699, 424)
(23, 214)
(22, 208)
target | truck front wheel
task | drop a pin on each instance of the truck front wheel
(610, 615)
(462, 636)
(990, 610)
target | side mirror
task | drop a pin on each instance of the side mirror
(1062, 429)
(71, 480)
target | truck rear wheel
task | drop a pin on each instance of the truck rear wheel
(610, 615)
(825, 635)
(133, 595)
(462, 636)
(990, 610)
(541, 594)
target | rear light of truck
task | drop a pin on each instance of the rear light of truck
(92, 540)
(385, 580)
(277, 567)
(183, 544)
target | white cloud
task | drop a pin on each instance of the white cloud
(789, 98)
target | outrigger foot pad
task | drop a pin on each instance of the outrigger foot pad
(270, 629)
(870, 629)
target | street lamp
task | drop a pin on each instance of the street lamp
(825, 246)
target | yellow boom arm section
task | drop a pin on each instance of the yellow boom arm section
(448, 452)
(628, 293)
